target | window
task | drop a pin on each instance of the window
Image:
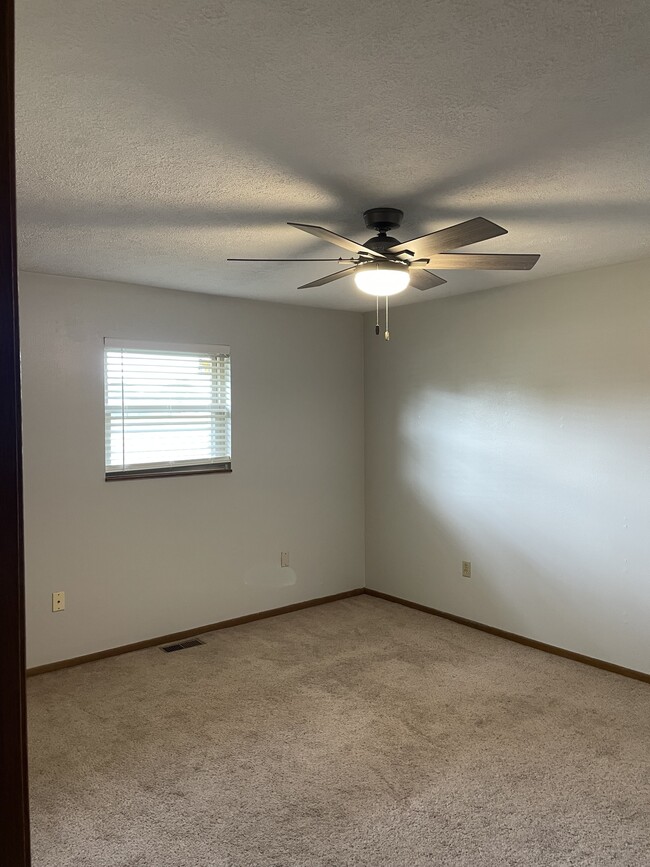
(167, 409)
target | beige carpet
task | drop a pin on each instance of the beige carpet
(355, 733)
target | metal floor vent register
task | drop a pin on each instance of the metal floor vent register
(182, 645)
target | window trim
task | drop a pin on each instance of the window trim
(154, 346)
(160, 471)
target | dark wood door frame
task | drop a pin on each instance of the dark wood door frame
(14, 816)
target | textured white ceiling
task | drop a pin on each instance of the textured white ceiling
(157, 138)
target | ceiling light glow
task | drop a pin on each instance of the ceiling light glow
(382, 278)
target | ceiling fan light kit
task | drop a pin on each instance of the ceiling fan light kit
(384, 266)
(382, 278)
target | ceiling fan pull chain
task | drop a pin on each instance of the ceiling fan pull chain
(387, 332)
(377, 322)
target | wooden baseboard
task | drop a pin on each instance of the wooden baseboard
(297, 606)
(520, 639)
(188, 633)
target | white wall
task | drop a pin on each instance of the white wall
(509, 427)
(512, 428)
(139, 559)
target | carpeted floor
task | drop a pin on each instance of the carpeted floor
(355, 733)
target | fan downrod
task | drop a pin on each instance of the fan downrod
(382, 220)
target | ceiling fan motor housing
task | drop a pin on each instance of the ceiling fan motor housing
(383, 219)
(380, 243)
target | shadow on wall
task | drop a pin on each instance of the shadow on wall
(528, 500)
(538, 476)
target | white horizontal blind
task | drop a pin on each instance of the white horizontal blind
(166, 407)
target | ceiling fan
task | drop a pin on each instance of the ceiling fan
(384, 266)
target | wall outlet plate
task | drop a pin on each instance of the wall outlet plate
(284, 558)
(467, 569)
(58, 601)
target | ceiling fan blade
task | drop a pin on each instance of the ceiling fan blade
(424, 280)
(343, 261)
(330, 277)
(460, 235)
(339, 240)
(484, 261)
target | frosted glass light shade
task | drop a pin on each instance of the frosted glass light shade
(382, 278)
